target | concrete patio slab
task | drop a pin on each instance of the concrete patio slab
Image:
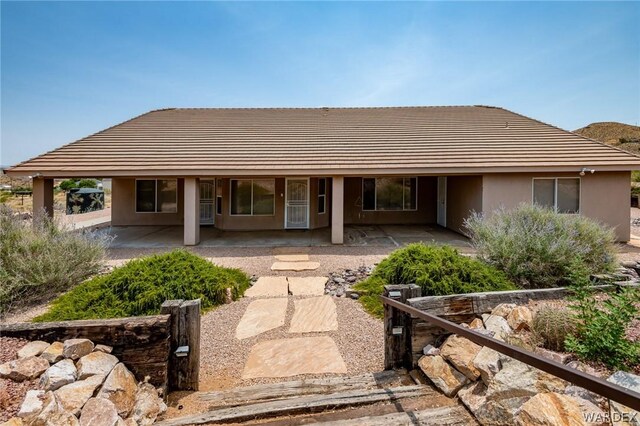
(316, 314)
(292, 257)
(307, 286)
(262, 315)
(295, 266)
(291, 357)
(269, 287)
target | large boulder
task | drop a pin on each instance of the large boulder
(498, 325)
(34, 348)
(58, 375)
(63, 418)
(39, 407)
(550, 409)
(460, 352)
(74, 395)
(96, 363)
(148, 405)
(23, 369)
(53, 353)
(473, 396)
(503, 310)
(13, 421)
(120, 387)
(77, 348)
(520, 318)
(488, 363)
(99, 412)
(444, 377)
(628, 381)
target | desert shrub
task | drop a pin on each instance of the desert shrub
(87, 183)
(438, 270)
(142, 285)
(37, 262)
(602, 324)
(552, 325)
(68, 184)
(536, 247)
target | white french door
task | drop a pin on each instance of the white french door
(296, 214)
(207, 199)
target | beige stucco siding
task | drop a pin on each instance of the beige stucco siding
(123, 206)
(604, 196)
(464, 196)
(425, 213)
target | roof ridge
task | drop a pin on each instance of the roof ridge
(325, 107)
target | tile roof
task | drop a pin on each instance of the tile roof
(456, 139)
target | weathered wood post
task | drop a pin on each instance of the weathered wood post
(397, 327)
(184, 358)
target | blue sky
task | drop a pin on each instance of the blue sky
(70, 69)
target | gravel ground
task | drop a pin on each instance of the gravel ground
(359, 338)
(258, 260)
(12, 393)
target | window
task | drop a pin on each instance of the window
(562, 195)
(389, 194)
(156, 196)
(322, 195)
(253, 197)
(218, 196)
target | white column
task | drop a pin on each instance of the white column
(191, 211)
(42, 197)
(337, 210)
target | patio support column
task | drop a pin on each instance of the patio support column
(42, 197)
(337, 210)
(191, 211)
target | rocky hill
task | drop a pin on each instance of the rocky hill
(620, 135)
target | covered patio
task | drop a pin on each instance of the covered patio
(354, 236)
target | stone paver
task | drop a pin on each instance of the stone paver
(295, 266)
(262, 315)
(292, 257)
(290, 357)
(269, 287)
(307, 286)
(316, 314)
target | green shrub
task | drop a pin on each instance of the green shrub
(87, 183)
(38, 262)
(142, 285)
(438, 270)
(68, 184)
(602, 325)
(536, 247)
(552, 325)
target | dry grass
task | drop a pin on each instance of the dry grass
(612, 133)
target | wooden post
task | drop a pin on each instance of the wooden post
(397, 327)
(184, 358)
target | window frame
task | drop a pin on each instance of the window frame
(375, 194)
(324, 196)
(251, 214)
(155, 201)
(555, 191)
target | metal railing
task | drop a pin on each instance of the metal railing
(594, 384)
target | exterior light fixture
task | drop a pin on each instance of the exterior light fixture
(584, 171)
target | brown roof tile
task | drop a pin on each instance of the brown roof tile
(462, 139)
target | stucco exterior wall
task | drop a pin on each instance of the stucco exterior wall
(426, 212)
(604, 196)
(123, 206)
(464, 196)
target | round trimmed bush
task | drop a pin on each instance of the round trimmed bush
(142, 285)
(438, 270)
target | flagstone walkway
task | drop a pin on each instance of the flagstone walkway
(313, 315)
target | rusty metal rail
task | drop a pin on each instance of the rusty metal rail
(594, 384)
